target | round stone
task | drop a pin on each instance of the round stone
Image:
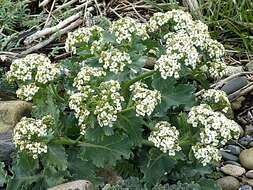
(233, 149)
(233, 170)
(249, 174)
(227, 156)
(228, 183)
(245, 187)
(246, 158)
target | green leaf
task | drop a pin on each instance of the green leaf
(173, 94)
(80, 169)
(25, 173)
(208, 184)
(56, 156)
(53, 177)
(2, 174)
(157, 166)
(106, 151)
(131, 125)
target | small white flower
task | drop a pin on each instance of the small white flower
(26, 92)
(145, 100)
(168, 66)
(29, 134)
(206, 153)
(81, 36)
(109, 103)
(216, 97)
(165, 137)
(114, 60)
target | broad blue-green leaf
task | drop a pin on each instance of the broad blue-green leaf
(173, 94)
(25, 173)
(107, 151)
(56, 156)
(80, 169)
(156, 167)
(132, 126)
(208, 184)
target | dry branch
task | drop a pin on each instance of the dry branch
(44, 3)
(51, 30)
(64, 6)
(53, 37)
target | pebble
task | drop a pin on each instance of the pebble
(230, 70)
(245, 140)
(235, 84)
(249, 174)
(245, 187)
(249, 129)
(232, 162)
(228, 183)
(249, 66)
(236, 150)
(228, 156)
(233, 170)
(246, 158)
(247, 181)
(237, 104)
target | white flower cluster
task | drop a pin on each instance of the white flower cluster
(187, 44)
(27, 92)
(165, 137)
(144, 99)
(215, 129)
(206, 153)
(85, 76)
(81, 35)
(30, 71)
(110, 103)
(124, 28)
(47, 72)
(215, 69)
(218, 98)
(168, 66)
(180, 20)
(114, 60)
(22, 69)
(29, 134)
(77, 103)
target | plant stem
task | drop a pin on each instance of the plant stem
(55, 93)
(147, 143)
(140, 77)
(128, 109)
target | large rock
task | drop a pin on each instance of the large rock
(228, 183)
(79, 184)
(246, 158)
(10, 113)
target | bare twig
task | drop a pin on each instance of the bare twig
(50, 13)
(248, 88)
(44, 3)
(64, 6)
(53, 37)
(51, 30)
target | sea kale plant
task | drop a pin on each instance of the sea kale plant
(124, 103)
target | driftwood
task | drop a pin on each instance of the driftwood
(47, 31)
(53, 37)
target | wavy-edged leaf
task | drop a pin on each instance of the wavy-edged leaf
(106, 151)
(56, 156)
(156, 167)
(132, 126)
(173, 94)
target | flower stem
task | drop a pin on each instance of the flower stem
(53, 90)
(140, 77)
(127, 109)
(147, 143)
